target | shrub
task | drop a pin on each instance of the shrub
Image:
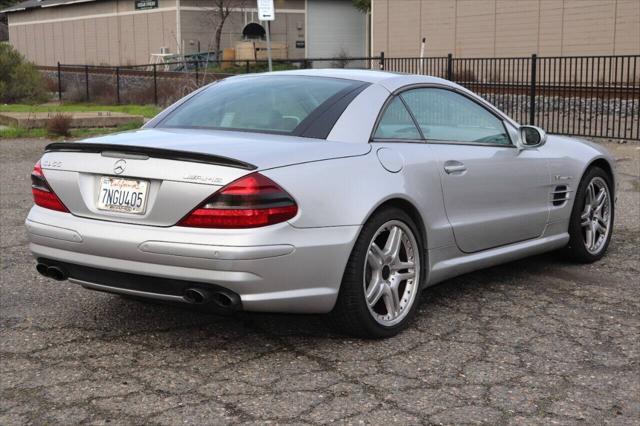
(20, 81)
(50, 84)
(101, 91)
(59, 125)
(341, 60)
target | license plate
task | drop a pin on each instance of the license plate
(122, 195)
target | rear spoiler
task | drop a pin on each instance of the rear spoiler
(168, 154)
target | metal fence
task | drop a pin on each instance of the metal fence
(594, 96)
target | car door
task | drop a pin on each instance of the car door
(494, 193)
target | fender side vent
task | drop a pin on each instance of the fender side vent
(560, 195)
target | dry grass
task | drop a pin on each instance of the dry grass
(59, 125)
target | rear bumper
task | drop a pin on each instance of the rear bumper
(277, 268)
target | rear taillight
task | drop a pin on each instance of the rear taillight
(43, 195)
(249, 202)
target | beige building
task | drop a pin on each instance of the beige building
(116, 32)
(502, 28)
(129, 32)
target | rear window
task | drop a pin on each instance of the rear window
(272, 104)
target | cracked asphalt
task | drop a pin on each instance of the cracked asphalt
(536, 341)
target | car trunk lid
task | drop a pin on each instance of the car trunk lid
(178, 168)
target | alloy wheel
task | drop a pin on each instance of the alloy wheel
(391, 273)
(595, 219)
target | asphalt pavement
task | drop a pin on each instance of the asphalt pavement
(537, 341)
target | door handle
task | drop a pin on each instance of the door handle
(452, 167)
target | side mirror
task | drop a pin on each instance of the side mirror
(532, 137)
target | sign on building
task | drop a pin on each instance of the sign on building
(146, 4)
(266, 11)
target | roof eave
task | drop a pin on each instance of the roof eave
(18, 8)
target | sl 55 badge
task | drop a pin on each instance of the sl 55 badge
(51, 164)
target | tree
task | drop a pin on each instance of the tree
(5, 4)
(8, 3)
(217, 17)
(20, 81)
(362, 5)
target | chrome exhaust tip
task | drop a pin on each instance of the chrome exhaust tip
(55, 272)
(226, 300)
(42, 269)
(196, 296)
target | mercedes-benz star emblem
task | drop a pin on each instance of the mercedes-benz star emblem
(119, 166)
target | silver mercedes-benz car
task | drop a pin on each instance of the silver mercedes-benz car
(315, 191)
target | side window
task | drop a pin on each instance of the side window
(444, 115)
(396, 123)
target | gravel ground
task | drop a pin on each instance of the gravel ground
(536, 341)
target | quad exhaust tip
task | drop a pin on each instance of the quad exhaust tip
(200, 296)
(55, 272)
(196, 296)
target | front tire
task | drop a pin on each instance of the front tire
(381, 284)
(592, 217)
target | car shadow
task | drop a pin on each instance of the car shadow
(162, 316)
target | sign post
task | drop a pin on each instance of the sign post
(266, 12)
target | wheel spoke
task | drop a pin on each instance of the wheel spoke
(392, 246)
(399, 266)
(589, 237)
(602, 222)
(391, 301)
(590, 195)
(375, 291)
(375, 257)
(600, 226)
(585, 218)
(405, 276)
(600, 200)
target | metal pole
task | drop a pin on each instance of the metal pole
(449, 66)
(247, 67)
(117, 85)
(155, 85)
(532, 99)
(269, 45)
(381, 60)
(197, 79)
(86, 82)
(59, 83)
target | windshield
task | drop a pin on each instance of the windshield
(273, 104)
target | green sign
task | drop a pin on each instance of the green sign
(146, 4)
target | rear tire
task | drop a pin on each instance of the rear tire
(381, 285)
(591, 222)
